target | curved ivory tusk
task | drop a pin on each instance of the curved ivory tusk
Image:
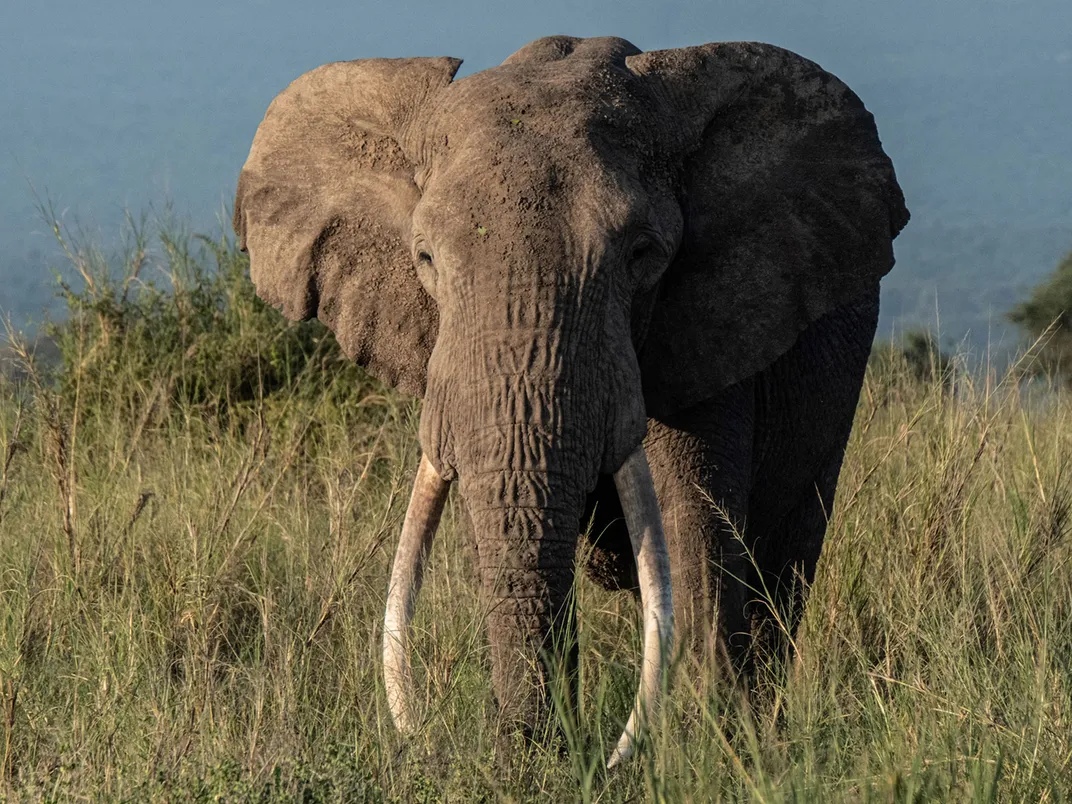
(637, 493)
(418, 531)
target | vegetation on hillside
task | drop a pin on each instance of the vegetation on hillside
(175, 315)
(1047, 314)
(918, 354)
(197, 511)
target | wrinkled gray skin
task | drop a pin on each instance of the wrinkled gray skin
(583, 248)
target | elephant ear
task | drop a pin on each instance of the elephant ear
(323, 208)
(790, 208)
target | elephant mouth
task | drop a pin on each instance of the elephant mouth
(644, 521)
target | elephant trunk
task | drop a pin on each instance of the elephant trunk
(526, 554)
(526, 528)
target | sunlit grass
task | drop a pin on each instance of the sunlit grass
(193, 579)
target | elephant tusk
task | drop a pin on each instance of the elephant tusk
(637, 493)
(418, 531)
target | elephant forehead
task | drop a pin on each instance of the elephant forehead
(520, 199)
(529, 143)
(563, 103)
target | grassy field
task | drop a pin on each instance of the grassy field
(198, 506)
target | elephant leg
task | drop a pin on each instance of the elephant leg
(787, 552)
(805, 406)
(701, 464)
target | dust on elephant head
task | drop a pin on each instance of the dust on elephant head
(554, 250)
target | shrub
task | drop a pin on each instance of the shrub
(175, 316)
(908, 371)
(1047, 317)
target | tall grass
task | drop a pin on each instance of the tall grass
(197, 511)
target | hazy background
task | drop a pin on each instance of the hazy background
(116, 105)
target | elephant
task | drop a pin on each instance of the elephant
(635, 290)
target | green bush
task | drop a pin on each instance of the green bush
(1046, 316)
(918, 357)
(176, 316)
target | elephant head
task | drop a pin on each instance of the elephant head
(549, 252)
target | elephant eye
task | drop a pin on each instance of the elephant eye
(641, 249)
(646, 263)
(426, 272)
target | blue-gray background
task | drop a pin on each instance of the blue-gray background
(117, 104)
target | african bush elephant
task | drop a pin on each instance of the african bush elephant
(587, 259)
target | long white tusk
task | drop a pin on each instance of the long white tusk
(418, 531)
(637, 493)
